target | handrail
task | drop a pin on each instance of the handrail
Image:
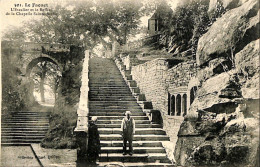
(83, 108)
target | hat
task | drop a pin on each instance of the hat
(128, 112)
(94, 118)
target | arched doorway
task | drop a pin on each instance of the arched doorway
(45, 74)
(178, 105)
(184, 104)
(173, 105)
(193, 94)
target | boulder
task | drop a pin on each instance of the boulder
(247, 60)
(250, 89)
(216, 94)
(235, 142)
(215, 66)
(231, 32)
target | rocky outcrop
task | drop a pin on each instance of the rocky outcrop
(247, 65)
(217, 94)
(215, 67)
(230, 33)
(219, 139)
(222, 124)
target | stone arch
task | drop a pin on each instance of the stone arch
(169, 104)
(178, 105)
(194, 82)
(36, 60)
(184, 104)
(193, 94)
(172, 105)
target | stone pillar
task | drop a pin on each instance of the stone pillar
(83, 112)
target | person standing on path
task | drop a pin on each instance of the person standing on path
(128, 131)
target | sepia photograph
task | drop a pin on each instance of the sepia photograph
(129, 83)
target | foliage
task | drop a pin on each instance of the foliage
(187, 24)
(46, 73)
(62, 123)
(15, 93)
(87, 23)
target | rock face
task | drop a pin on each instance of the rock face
(216, 94)
(222, 127)
(232, 31)
(247, 64)
(219, 139)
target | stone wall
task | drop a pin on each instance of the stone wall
(156, 79)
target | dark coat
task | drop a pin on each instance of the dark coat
(94, 141)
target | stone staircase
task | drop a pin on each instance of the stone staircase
(24, 128)
(109, 98)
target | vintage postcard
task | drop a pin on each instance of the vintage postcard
(129, 83)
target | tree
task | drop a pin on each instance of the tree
(46, 73)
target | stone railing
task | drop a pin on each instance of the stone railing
(147, 107)
(83, 109)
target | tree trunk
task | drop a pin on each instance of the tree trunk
(125, 35)
(42, 89)
(43, 74)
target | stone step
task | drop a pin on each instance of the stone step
(135, 164)
(23, 130)
(105, 79)
(114, 91)
(128, 95)
(109, 94)
(147, 157)
(28, 114)
(115, 107)
(109, 70)
(111, 90)
(121, 84)
(113, 96)
(29, 137)
(11, 121)
(119, 113)
(120, 121)
(137, 150)
(17, 141)
(136, 137)
(137, 125)
(135, 143)
(23, 123)
(121, 117)
(32, 113)
(112, 103)
(24, 126)
(107, 83)
(21, 134)
(123, 87)
(138, 131)
(93, 110)
(111, 99)
(15, 144)
(24, 119)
